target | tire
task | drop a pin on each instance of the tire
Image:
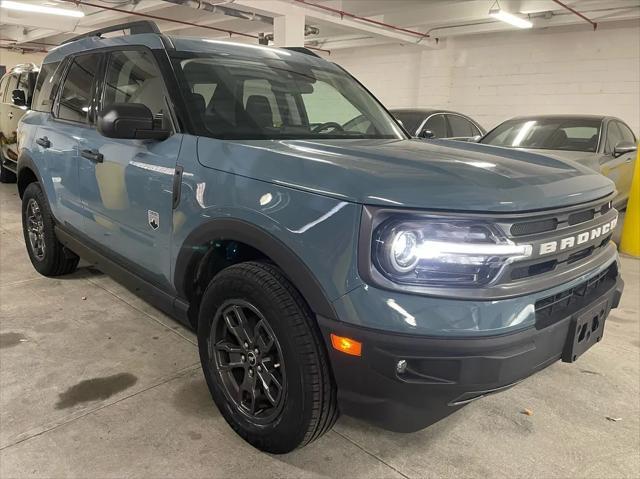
(6, 176)
(48, 256)
(305, 406)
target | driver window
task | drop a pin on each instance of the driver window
(437, 124)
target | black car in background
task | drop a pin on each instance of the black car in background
(432, 123)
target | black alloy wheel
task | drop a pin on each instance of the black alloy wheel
(248, 359)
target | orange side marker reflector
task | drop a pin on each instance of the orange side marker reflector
(346, 345)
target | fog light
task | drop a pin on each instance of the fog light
(401, 367)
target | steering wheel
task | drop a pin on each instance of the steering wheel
(329, 125)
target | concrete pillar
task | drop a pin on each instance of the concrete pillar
(288, 30)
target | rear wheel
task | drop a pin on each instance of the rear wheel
(264, 360)
(47, 254)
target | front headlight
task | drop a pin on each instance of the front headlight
(442, 252)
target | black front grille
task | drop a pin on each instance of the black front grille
(533, 227)
(558, 221)
(554, 308)
(581, 217)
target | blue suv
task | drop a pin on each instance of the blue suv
(327, 265)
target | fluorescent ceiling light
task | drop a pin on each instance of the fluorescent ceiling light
(510, 18)
(33, 8)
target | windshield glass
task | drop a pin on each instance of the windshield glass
(570, 134)
(232, 98)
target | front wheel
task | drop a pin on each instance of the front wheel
(264, 360)
(48, 256)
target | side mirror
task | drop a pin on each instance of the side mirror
(624, 147)
(129, 121)
(476, 139)
(18, 98)
(427, 134)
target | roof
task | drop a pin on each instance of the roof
(156, 41)
(424, 111)
(560, 116)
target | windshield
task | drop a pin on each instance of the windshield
(233, 98)
(569, 134)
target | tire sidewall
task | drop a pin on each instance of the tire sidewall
(48, 263)
(291, 424)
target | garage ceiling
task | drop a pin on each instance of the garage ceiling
(362, 22)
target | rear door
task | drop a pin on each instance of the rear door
(57, 137)
(129, 193)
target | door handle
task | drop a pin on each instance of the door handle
(10, 115)
(628, 160)
(44, 142)
(93, 155)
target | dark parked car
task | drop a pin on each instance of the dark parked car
(603, 143)
(326, 269)
(16, 90)
(430, 124)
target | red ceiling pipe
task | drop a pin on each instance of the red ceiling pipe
(157, 17)
(181, 22)
(342, 13)
(595, 24)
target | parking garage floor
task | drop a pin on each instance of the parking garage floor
(95, 382)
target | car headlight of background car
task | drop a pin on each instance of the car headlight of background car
(439, 251)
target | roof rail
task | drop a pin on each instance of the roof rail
(135, 28)
(303, 50)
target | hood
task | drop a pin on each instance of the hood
(443, 175)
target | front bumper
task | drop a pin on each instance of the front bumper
(443, 374)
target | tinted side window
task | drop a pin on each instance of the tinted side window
(25, 86)
(3, 87)
(133, 77)
(13, 84)
(625, 131)
(613, 137)
(438, 125)
(46, 87)
(75, 97)
(461, 127)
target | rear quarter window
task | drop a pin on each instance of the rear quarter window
(46, 87)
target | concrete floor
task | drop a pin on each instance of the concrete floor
(94, 382)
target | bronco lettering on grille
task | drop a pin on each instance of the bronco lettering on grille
(576, 240)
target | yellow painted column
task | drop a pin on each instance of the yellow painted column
(630, 243)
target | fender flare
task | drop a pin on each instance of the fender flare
(238, 230)
(25, 162)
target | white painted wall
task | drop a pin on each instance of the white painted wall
(10, 58)
(493, 77)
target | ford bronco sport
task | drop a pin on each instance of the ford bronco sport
(324, 268)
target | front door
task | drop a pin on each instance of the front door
(129, 205)
(617, 168)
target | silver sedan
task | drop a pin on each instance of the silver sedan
(603, 143)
